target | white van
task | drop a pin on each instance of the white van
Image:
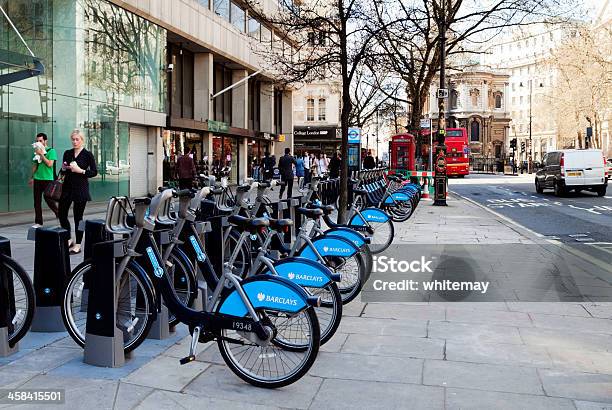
(573, 169)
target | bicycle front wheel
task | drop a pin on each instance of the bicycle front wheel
(382, 236)
(270, 364)
(23, 291)
(134, 310)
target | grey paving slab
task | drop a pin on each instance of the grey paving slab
(181, 348)
(600, 310)
(13, 378)
(367, 368)
(581, 360)
(130, 395)
(403, 346)
(355, 308)
(80, 393)
(564, 339)
(498, 353)
(555, 308)
(405, 311)
(344, 394)
(572, 323)
(472, 305)
(166, 373)
(77, 368)
(511, 379)
(576, 385)
(383, 327)
(43, 360)
(473, 333)
(166, 400)
(219, 382)
(334, 344)
(475, 399)
(591, 405)
(490, 317)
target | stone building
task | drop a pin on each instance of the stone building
(478, 102)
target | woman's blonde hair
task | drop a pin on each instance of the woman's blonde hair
(78, 132)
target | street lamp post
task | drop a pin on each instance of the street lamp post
(440, 175)
(530, 160)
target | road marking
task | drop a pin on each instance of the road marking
(578, 235)
(584, 239)
(582, 255)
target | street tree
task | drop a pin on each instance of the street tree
(411, 43)
(325, 39)
(582, 93)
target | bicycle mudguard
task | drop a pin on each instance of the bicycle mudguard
(353, 236)
(329, 246)
(304, 272)
(266, 292)
(370, 215)
(397, 197)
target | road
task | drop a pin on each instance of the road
(581, 221)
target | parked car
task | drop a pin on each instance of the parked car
(609, 167)
(577, 170)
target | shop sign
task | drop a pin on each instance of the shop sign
(217, 126)
(281, 138)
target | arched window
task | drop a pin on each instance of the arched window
(475, 131)
(322, 109)
(454, 99)
(310, 109)
(498, 100)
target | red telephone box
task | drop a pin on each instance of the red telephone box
(402, 151)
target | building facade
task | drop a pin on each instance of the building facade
(316, 117)
(524, 55)
(143, 81)
(478, 102)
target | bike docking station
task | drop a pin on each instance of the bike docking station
(201, 229)
(7, 304)
(95, 232)
(289, 212)
(51, 271)
(103, 338)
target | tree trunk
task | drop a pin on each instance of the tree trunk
(344, 117)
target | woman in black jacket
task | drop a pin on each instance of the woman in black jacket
(78, 166)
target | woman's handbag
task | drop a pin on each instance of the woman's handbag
(54, 189)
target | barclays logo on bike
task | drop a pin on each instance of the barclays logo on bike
(336, 249)
(276, 299)
(371, 217)
(298, 276)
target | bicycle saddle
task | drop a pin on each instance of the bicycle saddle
(280, 224)
(248, 223)
(310, 213)
(243, 188)
(359, 191)
(327, 209)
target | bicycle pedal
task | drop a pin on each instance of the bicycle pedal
(187, 359)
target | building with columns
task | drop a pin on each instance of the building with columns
(478, 102)
(144, 81)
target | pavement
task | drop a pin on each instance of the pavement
(505, 354)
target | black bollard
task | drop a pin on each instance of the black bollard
(51, 271)
(103, 339)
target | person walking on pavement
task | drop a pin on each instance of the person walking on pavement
(78, 165)
(323, 163)
(314, 166)
(369, 162)
(334, 165)
(42, 175)
(307, 175)
(186, 170)
(299, 170)
(285, 166)
(268, 164)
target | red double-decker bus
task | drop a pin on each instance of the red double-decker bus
(402, 151)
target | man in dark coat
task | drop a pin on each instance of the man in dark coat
(285, 167)
(268, 164)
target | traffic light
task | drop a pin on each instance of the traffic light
(522, 146)
(513, 143)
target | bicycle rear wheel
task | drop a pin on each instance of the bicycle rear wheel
(23, 291)
(271, 364)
